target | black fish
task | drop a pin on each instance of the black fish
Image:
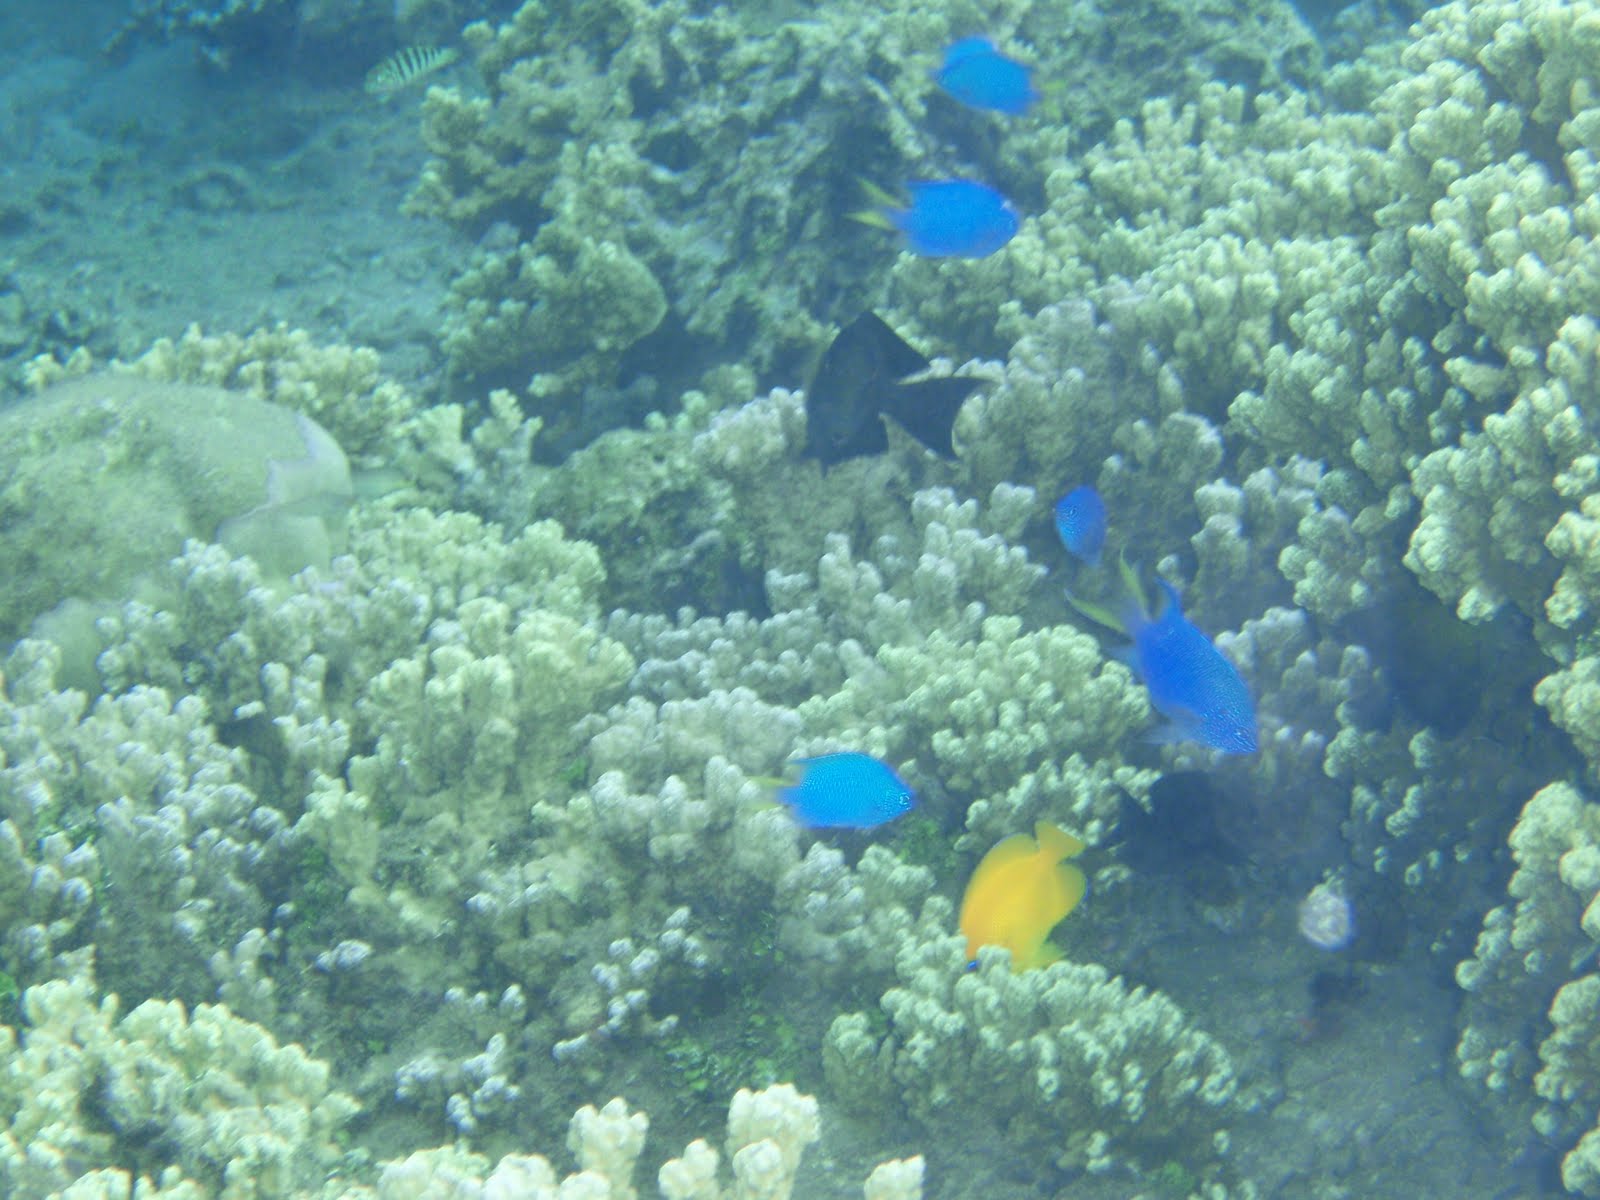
(860, 381)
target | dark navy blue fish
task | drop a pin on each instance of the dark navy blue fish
(954, 218)
(979, 76)
(1081, 522)
(846, 791)
(862, 378)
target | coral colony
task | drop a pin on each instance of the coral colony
(395, 774)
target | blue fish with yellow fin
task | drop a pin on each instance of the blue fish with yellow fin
(1020, 892)
(979, 76)
(1081, 524)
(849, 790)
(946, 218)
(1190, 683)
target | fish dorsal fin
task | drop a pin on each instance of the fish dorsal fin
(969, 47)
(896, 357)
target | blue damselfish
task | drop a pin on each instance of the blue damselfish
(979, 76)
(1081, 522)
(846, 791)
(955, 218)
(1190, 683)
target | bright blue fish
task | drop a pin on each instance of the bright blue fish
(955, 217)
(1189, 681)
(849, 791)
(979, 76)
(1081, 522)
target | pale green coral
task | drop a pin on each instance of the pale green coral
(208, 1104)
(1073, 1064)
(127, 469)
(499, 831)
(1006, 722)
(1572, 697)
(1526, 965)
(768, 1132)
(703, 145)
(155, 882)
(340, 387)
(535, 304)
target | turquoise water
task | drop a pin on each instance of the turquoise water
(415, 581)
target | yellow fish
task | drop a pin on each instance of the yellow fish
(1018, 894)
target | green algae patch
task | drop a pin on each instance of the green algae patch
(102, 479)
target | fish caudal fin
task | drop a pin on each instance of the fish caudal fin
(1056, 841)
(873, 217)
(1068, 887)
(883, 204)
(927, 409)
(1098, 613)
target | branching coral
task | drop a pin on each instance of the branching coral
(1068, 1061)
(202, 1097)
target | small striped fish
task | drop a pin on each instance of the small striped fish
(406, 66)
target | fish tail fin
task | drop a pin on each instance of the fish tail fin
(1056, 841)
(873, 217)
(928, 407)
(799, 803)
(1129, 574)
(877, 195)
(1134, 606)
(883, 203)
(1098, 613)
(1128, 613)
